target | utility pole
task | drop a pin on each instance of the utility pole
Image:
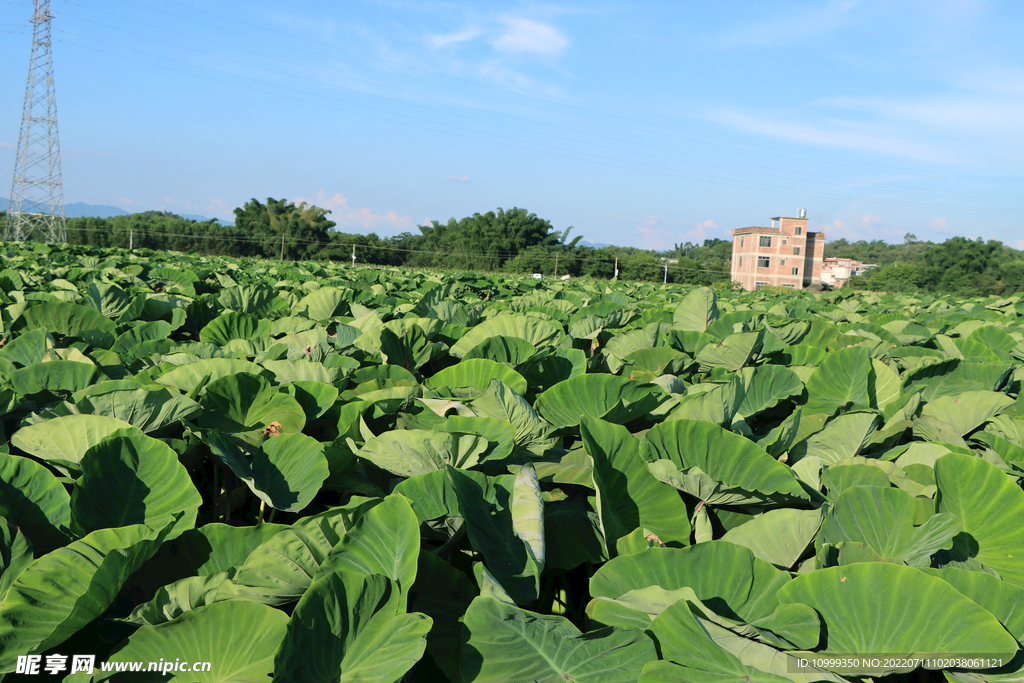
(353, 255)
(37, 192)
(665, 281)
(556, 265)
(131, 239)
(282, 246)
(616, 268)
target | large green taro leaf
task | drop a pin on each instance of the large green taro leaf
(697, 311)
(511, 350)
(444, 594)
(501, 403)
(285, 471)
(244, 403)
(613, 399)
(34, 500)
(732, 353)
(384, 541)
(778, 536)
(408, 452)
(840, 380)
(628, 495)
(983, 498)
(66, 589)
(486, 504)
(186, 377)
(475, 374)
(765, 386)
(132, 480)
(238, 638)
(968, 410)
(881, 609)
(234, 325)
(108, 299)
(147, 409)
(129, 339)
(534, 330)
(883, 520)
(63, 441)
(1004, 600)
(725, 457)
(953, 377)
(727, 578)
(504, 640)
(349, 627)
(56, 376)
(717, 405)
(691, 655)
(280, 569)
(320, 304)
(841, 439)
(28, 348)
(72, 320)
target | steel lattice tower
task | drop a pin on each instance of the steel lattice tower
(37, 193)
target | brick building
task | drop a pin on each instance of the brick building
(784, 255)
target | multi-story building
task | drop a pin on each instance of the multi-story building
(784, 255)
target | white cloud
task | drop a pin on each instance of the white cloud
(459, 178)
(1018, 244)
(939, 225)
(523, 35)
(349, 217)
(699, 233)
(436, 42)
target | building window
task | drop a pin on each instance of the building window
(741, 242)
(785, 241)
(761, 284)
(766, 240)
(763, 261)
(799, 230)
(796, 271)
(782, 262)
(790, 286)
(741, 261)
(796, 251)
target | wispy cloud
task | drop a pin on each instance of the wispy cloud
(459, 178)
(437, 42)
(834, 133)
(521, 35)
(347, 216)
(780, 31)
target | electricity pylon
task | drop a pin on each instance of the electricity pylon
(37, 193)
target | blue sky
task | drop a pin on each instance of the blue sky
(638, 123)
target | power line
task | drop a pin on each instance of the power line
(277, 239)
(306, 40)
(538, 148)
(775, 172)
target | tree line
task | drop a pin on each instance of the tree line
(519, 242)
(959, 265)
(514, 241)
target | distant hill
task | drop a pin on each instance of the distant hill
(595, 245)
(83, 210)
